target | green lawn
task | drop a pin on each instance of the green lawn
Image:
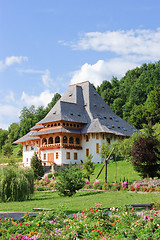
(80, 201)
(124, 170)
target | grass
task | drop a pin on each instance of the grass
(80, 201)
(123, 171)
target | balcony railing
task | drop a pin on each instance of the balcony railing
(58, 146)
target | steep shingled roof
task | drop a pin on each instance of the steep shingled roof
(82, 104)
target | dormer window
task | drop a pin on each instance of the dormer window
(54, 112)
(105, 117)
(70, 95)
(95, 94)
(95, 105)
(71, 114)
(102, 107)
(112, 126)
(85, 105)
(79, 115)
(110, 118)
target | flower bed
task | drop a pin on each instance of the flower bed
(93, 223)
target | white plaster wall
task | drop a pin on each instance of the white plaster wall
(72, 151)
(28, 154)
(91, 145)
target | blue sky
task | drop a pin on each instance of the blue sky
(45, 45)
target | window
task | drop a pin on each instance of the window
(27, 148)
(57, 139)
(103, 136)
(55, 124)
(75, 156)
(44, 156)
(56, 155)
(50, 140)
(59, 124)
(77, 141)
(71, 140)
(97, 135)
(68, 155)
(87, 152)
(97, 147)
(87, 138)
(77, 126)
(32, 147)
(27, 160)
(108, 140)
(64, 139)
(64, 124)
(44, 141)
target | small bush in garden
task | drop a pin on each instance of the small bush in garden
(50, 175)
(97, 185)
(16, 184)
(107, 186)
(36, 165)
(70, 180)
(40, 189)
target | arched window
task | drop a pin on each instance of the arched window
(64, 139)
(50, 140)
(71, 140)
(55, 124)
(57, 139)
(77, 141)
(44, 141)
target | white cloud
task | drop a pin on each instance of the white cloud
(10, 97)
(46, 79)
(138, 42)
(15, 59)
(43, 99)
(8, 114)
(102, 70)
(12, 60)
(45, 76)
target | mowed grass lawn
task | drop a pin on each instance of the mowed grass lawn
(116, 172)
(80, 201)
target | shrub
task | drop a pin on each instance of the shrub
(70, 180)
(36, 165)
(16, 184)
(146, 157)
(50, 175)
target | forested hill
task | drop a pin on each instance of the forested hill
(135, 98)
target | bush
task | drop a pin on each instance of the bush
(70, 180)
(146, 157)
(16, 184)
(36, 165)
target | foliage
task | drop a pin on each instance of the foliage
(146, 157)
(135, 97)
(36, 165)
(16, 184)
(92, 223)
(88, 167)
(70, 180)
(3, 137)
(7, 149)
(13, 132)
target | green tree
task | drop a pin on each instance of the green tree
(7, 149)
(88, 167)
(3, 137)
(13, 132)
(152, 105)
(36, 165)
(16, 184)
(55, 99)
(69, 181)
